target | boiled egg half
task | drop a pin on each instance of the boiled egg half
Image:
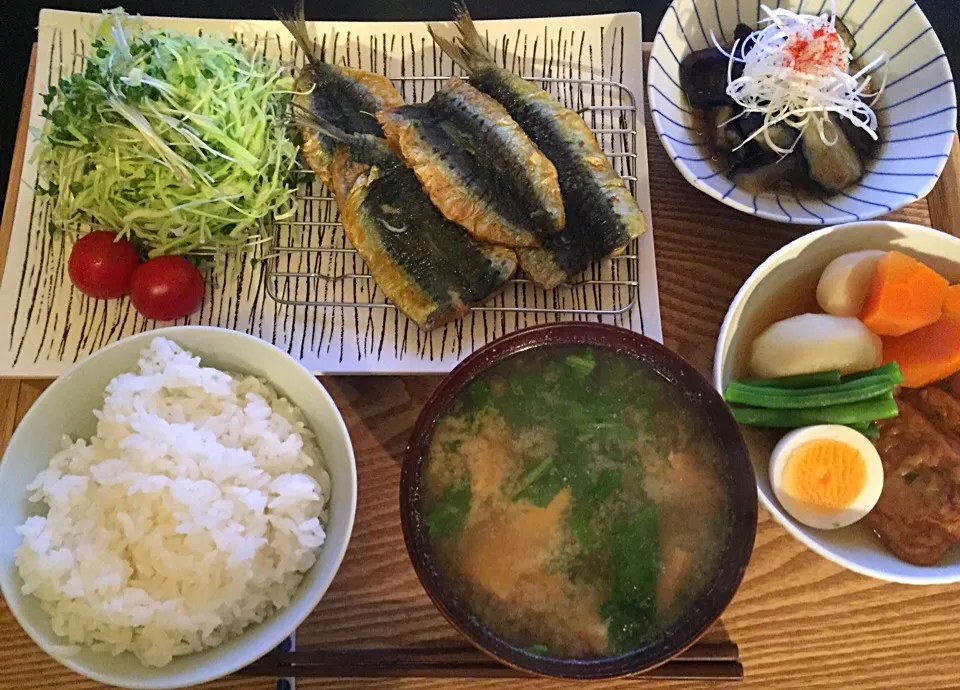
(827, 476)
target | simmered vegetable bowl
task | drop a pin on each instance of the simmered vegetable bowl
(890, 326)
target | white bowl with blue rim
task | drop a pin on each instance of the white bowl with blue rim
(917, 110)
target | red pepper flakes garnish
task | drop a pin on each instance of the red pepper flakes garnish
(823, 49)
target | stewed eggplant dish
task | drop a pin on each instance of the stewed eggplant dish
(786, 104)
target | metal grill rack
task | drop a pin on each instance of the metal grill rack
(311, 263)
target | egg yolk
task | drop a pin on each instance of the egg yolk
(826, 474)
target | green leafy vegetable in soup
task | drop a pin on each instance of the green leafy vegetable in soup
(572, 499)
(447, 515)
(634, 562)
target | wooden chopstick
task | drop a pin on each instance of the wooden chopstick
(703, 661)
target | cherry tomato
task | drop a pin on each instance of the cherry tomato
(166, 288)
(101, 265)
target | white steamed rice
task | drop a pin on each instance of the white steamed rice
(193, 512)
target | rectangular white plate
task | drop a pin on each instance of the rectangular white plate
(46, 325)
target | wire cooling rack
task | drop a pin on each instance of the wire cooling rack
(311, 263)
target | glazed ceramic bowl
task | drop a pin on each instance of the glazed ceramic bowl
(917, 110)
(735, 471)
(785, 285)
(67, 406)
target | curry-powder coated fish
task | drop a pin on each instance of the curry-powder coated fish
(431, 268)
(601, 214)
(477, 165)
(346, 97)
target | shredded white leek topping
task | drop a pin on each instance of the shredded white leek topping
(796, 71)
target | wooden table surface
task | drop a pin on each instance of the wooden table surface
(800, 621)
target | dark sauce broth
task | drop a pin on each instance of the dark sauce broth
(794, 178)
(572, 500)
(811, 169)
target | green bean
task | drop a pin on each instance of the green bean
(870, 430)
(824, 396)
(892, 370)
(821, 378)
(882, 407)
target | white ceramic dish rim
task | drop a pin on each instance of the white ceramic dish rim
(733, 315)
(653, 100)
(268, 644)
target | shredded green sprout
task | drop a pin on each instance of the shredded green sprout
(179, 142)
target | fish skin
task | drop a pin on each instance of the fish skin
(477, 165)
(602, 217)
(430, 268)
(345, 97)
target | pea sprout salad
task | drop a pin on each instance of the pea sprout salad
(176, 142)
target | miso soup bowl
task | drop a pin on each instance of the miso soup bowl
(736, 474)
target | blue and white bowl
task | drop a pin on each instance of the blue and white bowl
(917, 110)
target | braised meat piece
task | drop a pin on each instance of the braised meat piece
(918, 514)
(941, 408)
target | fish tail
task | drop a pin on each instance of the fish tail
(470, 39)
(365, 149)
(297, 26)
(450, 48)
(467, 50)
(309, 120)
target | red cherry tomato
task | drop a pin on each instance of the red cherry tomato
(101, 265)
(166, 288)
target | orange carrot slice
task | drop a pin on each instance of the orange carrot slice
(951, 303)
(927, 354)
(905, 295)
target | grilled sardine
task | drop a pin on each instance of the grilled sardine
(431, 268)
(601, 214)
(478, 167)
(344, 96)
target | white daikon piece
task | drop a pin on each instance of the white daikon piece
(845, 282)
(810, 343)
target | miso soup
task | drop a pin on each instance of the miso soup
(572, 500)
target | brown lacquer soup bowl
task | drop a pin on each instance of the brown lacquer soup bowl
(733, 484)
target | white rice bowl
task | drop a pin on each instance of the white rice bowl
(192, 513)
